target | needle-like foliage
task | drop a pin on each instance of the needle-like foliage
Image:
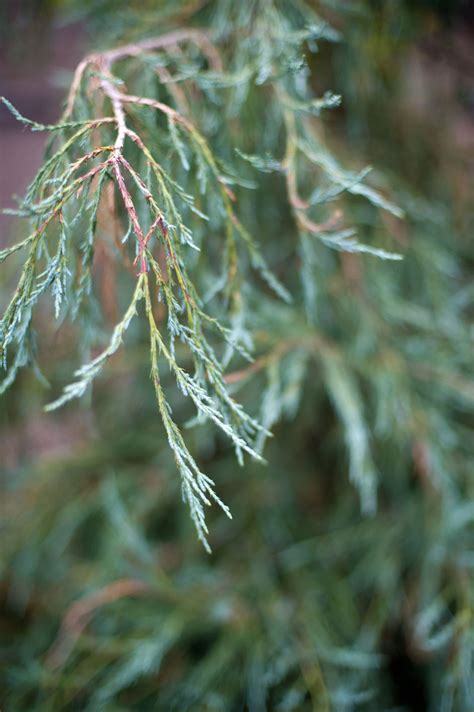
(168, 198)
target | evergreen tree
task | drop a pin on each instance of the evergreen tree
(222, 268)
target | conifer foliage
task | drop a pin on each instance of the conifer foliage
(95, 154)
(192, 224)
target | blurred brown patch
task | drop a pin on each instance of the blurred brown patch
(42, 437)
(33, 76)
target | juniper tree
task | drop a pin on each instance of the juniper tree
(194, 230)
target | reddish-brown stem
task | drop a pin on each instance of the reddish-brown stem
(107, 58)
(167, 40)
(115, 96)
(102, 63)
(154, 103)
(76, 83)
(317, 228)
(132, 213)
(296, 201)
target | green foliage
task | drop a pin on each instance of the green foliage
(92, 156)
(192, 223)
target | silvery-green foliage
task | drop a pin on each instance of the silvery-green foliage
(133, 141)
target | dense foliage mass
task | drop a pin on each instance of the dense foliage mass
(220, 268)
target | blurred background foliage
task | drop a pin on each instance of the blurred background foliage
(108, 601)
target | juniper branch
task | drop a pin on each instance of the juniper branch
(61, 189)
(101, 143)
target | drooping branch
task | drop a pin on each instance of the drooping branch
(148, 159)
(62, 193)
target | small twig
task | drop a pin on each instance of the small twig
(164, 41)
(131, 210)
(314, 228)
(109, 57)
(154, 103)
